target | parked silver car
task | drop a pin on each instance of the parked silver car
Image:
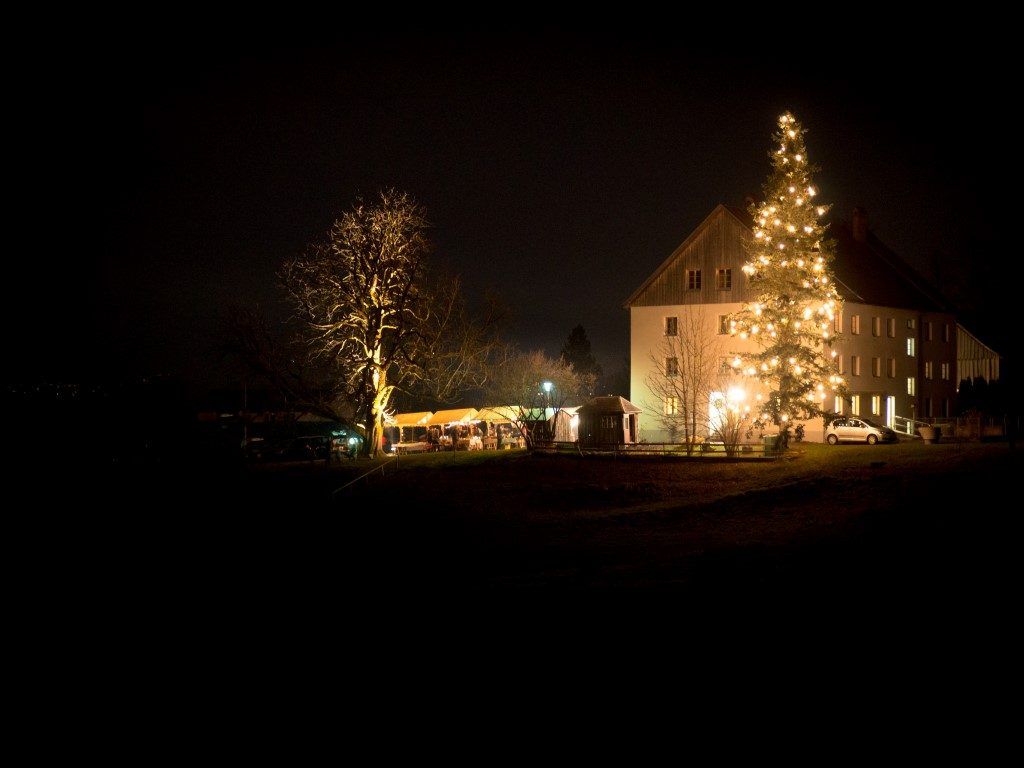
(856, 430)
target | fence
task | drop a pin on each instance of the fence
(366, 475)
(974, 427)
(711, 451)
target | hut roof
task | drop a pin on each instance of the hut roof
(609, 404)
(464, 415)
(417, 419)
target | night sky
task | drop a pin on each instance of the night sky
(169, 181)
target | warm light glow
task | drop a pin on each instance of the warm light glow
(793, 304)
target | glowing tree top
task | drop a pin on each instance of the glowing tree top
(789, 270)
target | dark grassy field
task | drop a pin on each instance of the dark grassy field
(903, 525)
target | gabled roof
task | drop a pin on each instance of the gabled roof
(545, 414)
(720, 210)
(464, 415)
(409, 419)
(609, 404)
(498, 413)
(868, 272)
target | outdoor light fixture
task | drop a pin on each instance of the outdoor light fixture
(547, 386)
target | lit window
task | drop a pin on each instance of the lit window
(671, 366)
(837, 323)
(892, 367)
(724, 279)
(842, 368)
(671, 405)
(855, 324)
(891, 327)
(911, 346)
(928, 331)
(911, 385)
(671, 326)
(839, 404)
(876, 326)
(928, 369)
(876, 405)
(693, 279)
(946, 335)
(855, 365)
(855, 405)
(723, 324)
(876, 366)
(944, 373)
(911, 324)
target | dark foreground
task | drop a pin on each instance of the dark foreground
(907, 527)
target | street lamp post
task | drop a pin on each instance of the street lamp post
(547, 386)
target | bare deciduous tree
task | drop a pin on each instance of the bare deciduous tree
(457, 345)
(282, 364)
(517, 382)
(729, 421)
(367, 311)
(687, 370)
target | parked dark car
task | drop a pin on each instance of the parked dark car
(306, 448)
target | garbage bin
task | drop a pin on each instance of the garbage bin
(771, 444)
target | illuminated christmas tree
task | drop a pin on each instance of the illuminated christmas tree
(790, 274)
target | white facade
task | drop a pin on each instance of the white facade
(896, 361)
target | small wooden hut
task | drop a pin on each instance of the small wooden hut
(609, 420)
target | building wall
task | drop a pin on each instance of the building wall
(974, 359)
(647, 328)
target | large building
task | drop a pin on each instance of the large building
(897, 351)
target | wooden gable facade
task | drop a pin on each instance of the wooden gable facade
(715, 245)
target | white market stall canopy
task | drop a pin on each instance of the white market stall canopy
(543, 414)
(499, 414)
(419, 419)
(455, 416)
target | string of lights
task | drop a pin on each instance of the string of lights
(792, 318)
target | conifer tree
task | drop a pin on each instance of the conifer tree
(790, 272)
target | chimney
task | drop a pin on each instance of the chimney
(860, 224)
